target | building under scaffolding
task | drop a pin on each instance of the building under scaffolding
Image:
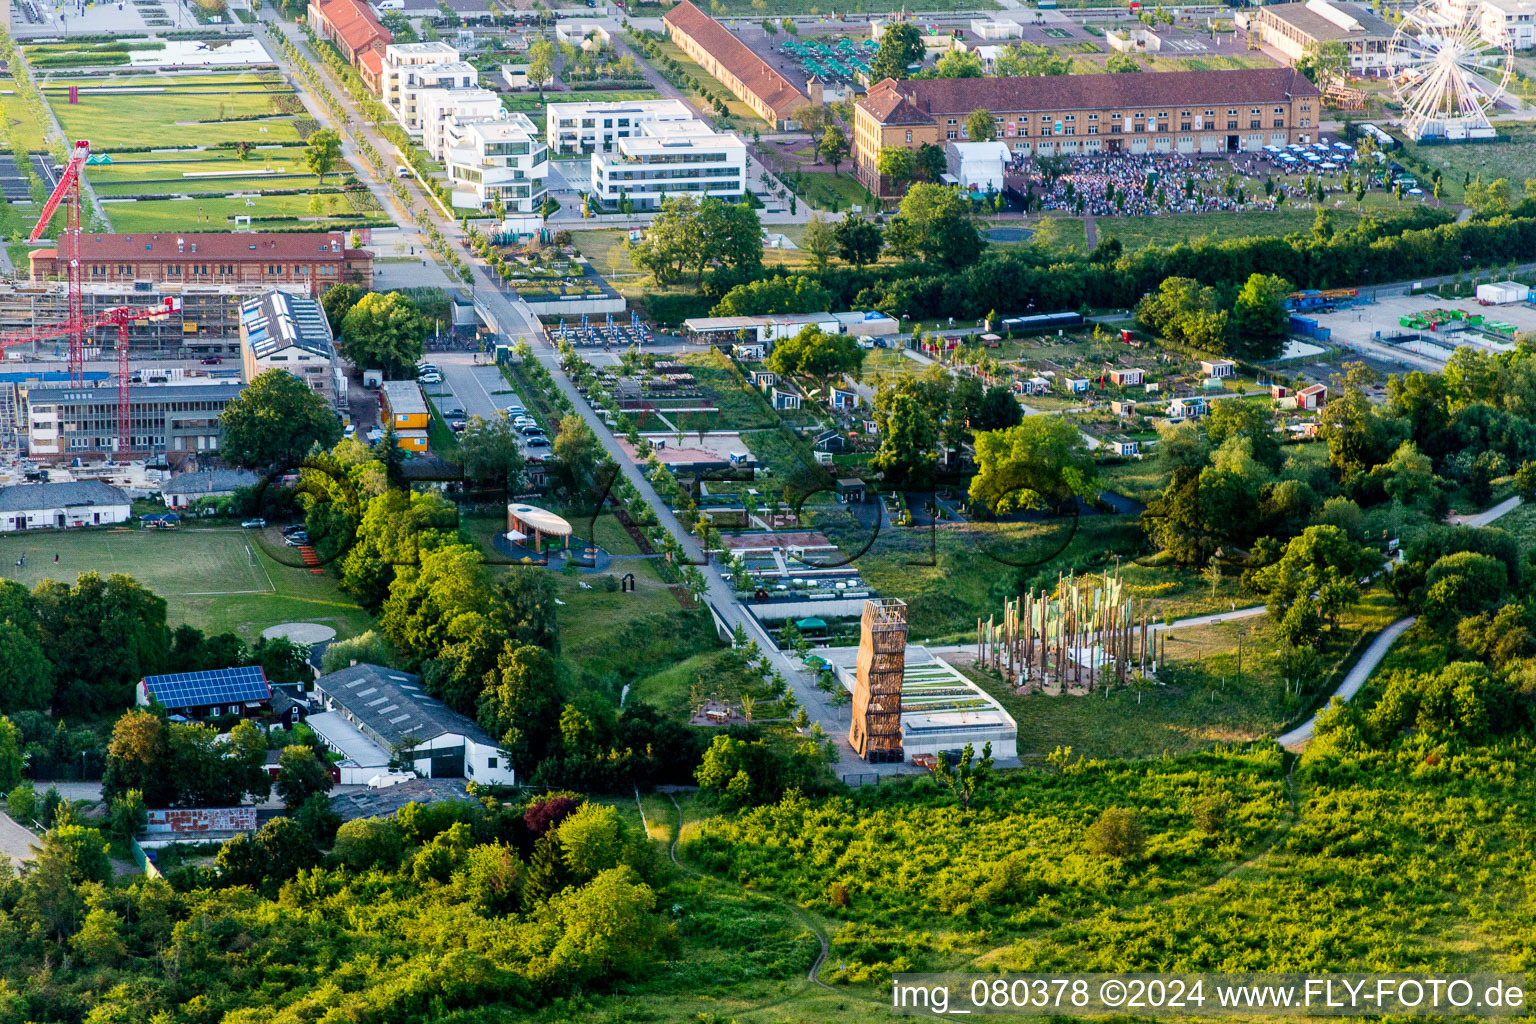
(208, 323)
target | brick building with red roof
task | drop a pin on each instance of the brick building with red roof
(316, 259)
(717, 50)
(1198, 113)
(356, 31)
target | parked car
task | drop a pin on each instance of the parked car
(531, 431)
(430, 378)
(254, 524)
(457, 425)
(536, 443)
(212, 360)
(524, 421)
(298, 540)
(289, 531)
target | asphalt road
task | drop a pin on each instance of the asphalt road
(15, 841)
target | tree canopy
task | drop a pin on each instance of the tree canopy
(276, 421)
(384, 331)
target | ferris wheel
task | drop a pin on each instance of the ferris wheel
(1445, 75)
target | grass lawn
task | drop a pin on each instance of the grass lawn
(211, 171)
(837, 192)
(218, 579)
(1170, 229)
(167, 118)
(25, 128)
(220, 214)
(741, 408)
(1514, 159)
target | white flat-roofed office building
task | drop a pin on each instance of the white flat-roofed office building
(668, 158)
(1514, 20)
(409, 68)
(597, 127)
(438, 108)
(497, 159)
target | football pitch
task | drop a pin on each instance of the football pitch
(220, 580)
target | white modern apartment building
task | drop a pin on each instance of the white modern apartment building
(596, 127)
(438, 107)
(666, 158)
(491, 159)
(1514, 20)
(411, 68)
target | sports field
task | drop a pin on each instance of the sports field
(218, 579)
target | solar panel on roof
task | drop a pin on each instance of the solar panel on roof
(218, 686)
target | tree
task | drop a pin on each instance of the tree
(577, 446)
(1121, 63)
(338, 301)
(934, 225)
(1321, 558)
(1016, 62)
(608, 927)
(490, 450)
(956, 64)
(368, 843)
(276, 421)
(908, 433)
(814, 353)
(929, 163)
(1325, 63)
(858, 240)
(10, 755)
(322, 152)
(300, 774)
(523, 707)
(813, 118)
(896, 165)
(1186, 312)
(900, 47)
(979, 126)
(541, 64)
(833, 146)
(384, 330)
(793, 294)
(1117, 834)
(138, 758)
(1043, 462)
(26, 677)
(101, 636)
(820, 243)
(1492, 198)
(1260, 316)
(967, 776)
(998, 410)
(129, 814)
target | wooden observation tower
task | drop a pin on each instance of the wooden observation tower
(876, 729)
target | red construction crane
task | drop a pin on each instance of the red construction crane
(76, 324)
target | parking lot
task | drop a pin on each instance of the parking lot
(1377, 329)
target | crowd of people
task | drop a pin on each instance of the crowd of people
(1139, 184)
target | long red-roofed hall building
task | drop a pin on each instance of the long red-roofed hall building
(357, 32)
(717, 50)
(316, 259)
(1191, 112)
